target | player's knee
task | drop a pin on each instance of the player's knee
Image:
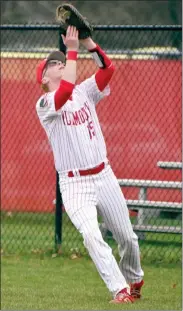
(90, 237)
(131, 240)
(128, 239)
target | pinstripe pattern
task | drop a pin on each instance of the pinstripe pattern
(112, 207)
(85, 197)
(80, 200)
(77, 142)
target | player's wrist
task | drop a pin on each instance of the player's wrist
(72, 55)
(88, 43)
(94, 49)
(100, 57)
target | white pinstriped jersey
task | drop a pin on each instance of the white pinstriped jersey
(74, 131)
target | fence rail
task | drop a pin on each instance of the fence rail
(141, 121)
(95, 27)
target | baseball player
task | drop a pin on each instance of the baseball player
(67, 112)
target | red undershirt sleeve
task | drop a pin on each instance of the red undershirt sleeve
(103, 75)
(63, 93)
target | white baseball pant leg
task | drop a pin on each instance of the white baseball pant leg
(80, 200)
(113, 209)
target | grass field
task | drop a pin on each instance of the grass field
(39, 282)
(34, 279)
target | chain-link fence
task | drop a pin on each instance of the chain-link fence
(141, 122)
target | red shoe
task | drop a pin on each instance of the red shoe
(123, 297)
(135, 290)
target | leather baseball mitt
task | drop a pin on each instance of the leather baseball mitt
(68, 15)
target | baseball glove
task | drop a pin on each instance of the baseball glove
(67, 14)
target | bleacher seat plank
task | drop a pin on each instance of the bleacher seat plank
(166, 206)
(150, 183)
(160, 229)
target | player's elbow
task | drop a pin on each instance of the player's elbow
(103, 77)
(112, 68)
(109, 73)
(63, 94)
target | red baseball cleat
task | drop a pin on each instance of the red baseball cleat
(123, 297)
(135, 290)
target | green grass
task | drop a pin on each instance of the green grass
(39, 282)
(27, 233)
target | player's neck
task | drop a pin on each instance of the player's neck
(54, 86)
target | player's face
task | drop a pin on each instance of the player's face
(53, 70)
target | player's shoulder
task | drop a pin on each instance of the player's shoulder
(86, 83)
(41, 102)
(44, 101)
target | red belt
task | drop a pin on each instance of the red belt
(90, 171)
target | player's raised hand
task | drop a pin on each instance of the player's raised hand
(71, 39)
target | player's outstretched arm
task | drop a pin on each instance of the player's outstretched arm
(71, 41)
(69, 76)
(104, 74)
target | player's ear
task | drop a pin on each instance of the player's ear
(45, 80)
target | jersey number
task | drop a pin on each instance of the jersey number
(91, 129)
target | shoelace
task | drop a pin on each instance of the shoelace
(135, 292)
(124, 296)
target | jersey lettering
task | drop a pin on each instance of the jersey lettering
(78, 117)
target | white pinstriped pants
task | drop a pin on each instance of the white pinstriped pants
(82, 197)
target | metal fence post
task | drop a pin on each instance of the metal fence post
(58, 216)
(141, 212)
(62, 46)
(58, 203)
